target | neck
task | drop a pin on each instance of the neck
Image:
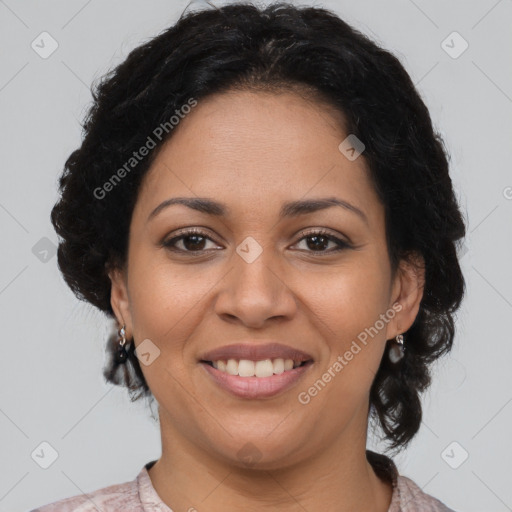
(340, 479)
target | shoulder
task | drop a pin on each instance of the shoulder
(412, 499)
(116, 497)
(407, 496)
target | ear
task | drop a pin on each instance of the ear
(407, 291)
(120, 300)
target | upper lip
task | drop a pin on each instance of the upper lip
(255, 352)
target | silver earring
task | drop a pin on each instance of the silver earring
(396, 352)
(121, 355)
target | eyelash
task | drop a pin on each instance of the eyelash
(342, 245)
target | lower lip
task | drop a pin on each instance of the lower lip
(257, 387)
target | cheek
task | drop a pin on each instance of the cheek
(164, 296)
(349, 298)
(348, 308)
(166, 307)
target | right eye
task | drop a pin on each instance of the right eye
(192, 241)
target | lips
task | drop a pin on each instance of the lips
(257, 388)
(255, 352)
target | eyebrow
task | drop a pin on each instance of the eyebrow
(290, 209)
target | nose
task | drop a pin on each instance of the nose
(255, 293)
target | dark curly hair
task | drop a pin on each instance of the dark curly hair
(280, 47)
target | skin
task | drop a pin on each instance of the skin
(253, 151)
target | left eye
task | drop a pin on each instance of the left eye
(317, 241)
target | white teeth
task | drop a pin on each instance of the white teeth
(247, 368)
(264, 368)
(278, 366)
(232, 367)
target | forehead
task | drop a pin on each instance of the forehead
(251, 149)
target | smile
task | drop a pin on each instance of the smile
(252, 379)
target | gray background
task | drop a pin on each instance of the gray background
(52, 346)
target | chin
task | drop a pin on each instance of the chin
(261, 452)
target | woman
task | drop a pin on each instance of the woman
(262, 205)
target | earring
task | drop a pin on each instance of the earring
(121, 354)
(396, 352)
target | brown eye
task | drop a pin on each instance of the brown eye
(318, 241)
(194, 242)
(189, 241)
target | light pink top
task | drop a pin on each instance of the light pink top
(139, 495)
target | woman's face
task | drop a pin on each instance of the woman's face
(258, 274)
